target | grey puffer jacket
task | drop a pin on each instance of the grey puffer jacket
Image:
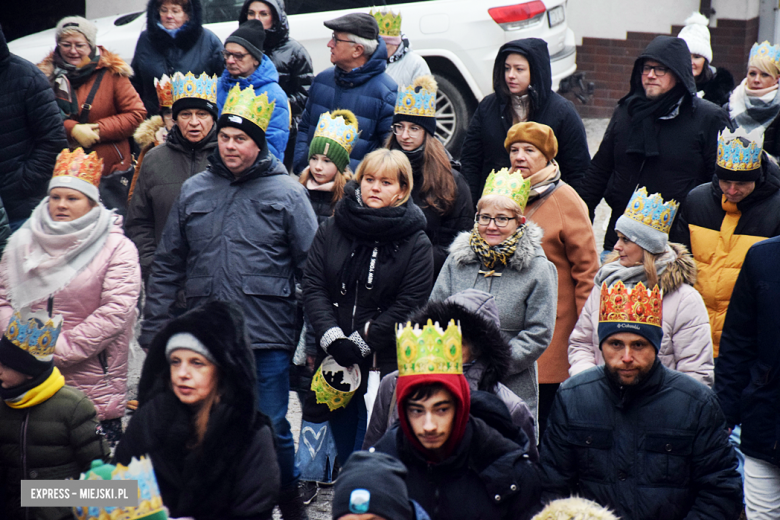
(526, 292)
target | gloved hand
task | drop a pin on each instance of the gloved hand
(345, 352)
(86, 134)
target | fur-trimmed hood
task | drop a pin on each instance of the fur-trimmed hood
(188, 34)
(108, 60)
(528, 247)
(575, 507)
(144, 135)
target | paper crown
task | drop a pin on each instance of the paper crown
(340, 126)
(651, 210)
(430, 349)
(79, 165)
(245, 104)
(637, 305)
(508, 184)
(734, 155)
(329, 395)
(35, 333)
(202, 87)
(150, 505)
(766, 50)
(389, 23)
(418, 99)
(164, 91)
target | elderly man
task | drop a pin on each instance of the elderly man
(247, 66)
(661, 135)
(240, 231)
(357, 82)
(635, 436)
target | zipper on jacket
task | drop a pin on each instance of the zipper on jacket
(354, 305)
(103, 358)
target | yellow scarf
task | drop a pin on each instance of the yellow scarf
(40, 393)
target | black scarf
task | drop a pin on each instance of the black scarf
(642, 135)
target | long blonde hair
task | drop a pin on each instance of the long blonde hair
(387, 161)
(339, 181)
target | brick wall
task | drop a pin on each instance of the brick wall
(608, 63)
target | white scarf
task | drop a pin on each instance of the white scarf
(44, 256)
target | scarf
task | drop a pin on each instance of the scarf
(753, 109)
(520, 108)
(491, 255)
(44, 256)
(171, 32)
(38, 394)
(402, 49)
(630, 276)
(542, 180)
(313, 185)
(66, 78)
(642, 134)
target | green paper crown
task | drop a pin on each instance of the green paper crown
(389, 23)
(508, 184)
(335, 136)
(328, 395)
(245, 104)
(429, 350)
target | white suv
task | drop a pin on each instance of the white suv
(458, 38)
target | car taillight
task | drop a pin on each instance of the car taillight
(513, 17)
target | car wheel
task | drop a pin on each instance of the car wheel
(452, 114)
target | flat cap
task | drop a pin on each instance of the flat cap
(359, 24)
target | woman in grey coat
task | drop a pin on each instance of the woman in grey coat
(502, 255)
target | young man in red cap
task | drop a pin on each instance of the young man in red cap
(459, 467)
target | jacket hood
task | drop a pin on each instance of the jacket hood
(679, 272)
(375, 65)
(4, 52)
(144, 134)
(108, 60)
(264, 74)
(575, 507)
(538, 56)
(491, 409)
(767, 184)
(279, 31)
(188, 34)
(671, 52)
(528, 247)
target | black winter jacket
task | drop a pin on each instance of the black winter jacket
(747, 374)
(193, 49)
(487, 477)
(688, 143)
(322, 204)
(483, 148)
(656, 450)
(718, 88)
(31, 135)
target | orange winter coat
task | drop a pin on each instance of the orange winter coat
(569, 243)
(117, 109)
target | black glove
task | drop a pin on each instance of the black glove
(345, 352)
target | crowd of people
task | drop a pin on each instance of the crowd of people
(460, 345)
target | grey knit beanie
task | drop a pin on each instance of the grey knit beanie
(79, 24)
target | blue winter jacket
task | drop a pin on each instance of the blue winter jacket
(263, 79)
(242, 240)
(367, 91)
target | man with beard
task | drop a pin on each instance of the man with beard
(635, 436)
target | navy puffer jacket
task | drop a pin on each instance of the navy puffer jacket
(367, 91)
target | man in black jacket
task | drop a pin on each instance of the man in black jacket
(635, 436)
(746, 374)
(31, 134)
(661, 135)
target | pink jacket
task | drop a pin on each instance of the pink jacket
(99, 311)
(687, 342)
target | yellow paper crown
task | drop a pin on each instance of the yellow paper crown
(35, 333)
(79, 165)
(651, 210)
(429, 350)
(508, 184)
(389, 23)
(418, 99)
(164, 91)
(637, 305)
(327, 394)
(188, 86)
(245, 104)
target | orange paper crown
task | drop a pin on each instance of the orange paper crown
(79, 165)
(164, 91)
(637, 305)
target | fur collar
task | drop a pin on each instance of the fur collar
(108, 60)
(187, 36)
(681, 271)
(528, 247)
(144, 134)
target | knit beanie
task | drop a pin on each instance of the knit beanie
(80, 24)
(186, 341)
(417, 103)
(647, 220)
(539, 135)
(697, 36)
(374, 483)
(574, 508)
(335, 136)
(250, 35)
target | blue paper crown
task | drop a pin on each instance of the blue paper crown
(417, 99)
(651, 210)
(202, 87)
(734, 155)
(335, 127)
(35, 332)
(765, 50)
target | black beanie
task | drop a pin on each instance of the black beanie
(427, 123)
(250, 35)
(252, 130)
(372, 482)
(195, 104)
(22, 361)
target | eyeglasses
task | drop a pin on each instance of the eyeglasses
(413, 131)
(238, 56)
(501, 221)
(660, 70)
(66, 46)
(186, 116)
(334, 38)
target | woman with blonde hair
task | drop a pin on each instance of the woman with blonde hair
(367, 269)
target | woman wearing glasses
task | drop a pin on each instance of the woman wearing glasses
(439, 189)
(502, 255)
(100, 107)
